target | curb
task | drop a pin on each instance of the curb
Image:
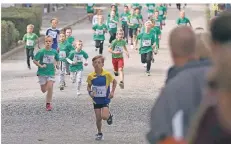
(41, 39)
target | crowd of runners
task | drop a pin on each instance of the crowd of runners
(64, 54)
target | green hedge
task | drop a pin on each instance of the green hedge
(21, 17)
(9, 37)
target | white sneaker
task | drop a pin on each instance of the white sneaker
(78, 93)
(145, 65)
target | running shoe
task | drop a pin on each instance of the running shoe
(48, 107)
(148, 73)
(145, 65)
(78, 93)
(99, 136)
(121, 84)
(153, 60)
(109, 120)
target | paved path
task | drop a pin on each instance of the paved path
(25, 121)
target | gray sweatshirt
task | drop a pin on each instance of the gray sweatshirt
(183, 92)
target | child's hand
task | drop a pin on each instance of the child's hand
(43, 66)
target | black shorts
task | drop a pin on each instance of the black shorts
(132, 32)
(99, 106)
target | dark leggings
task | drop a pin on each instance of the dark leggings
(147, 58)
(29, 53)
(125, 29)
(99, 44)
(112, 36)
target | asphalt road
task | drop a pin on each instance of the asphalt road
(72, 120)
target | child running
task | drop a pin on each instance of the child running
(157, 37)
(90, 10)
(124, 19)
(76, 59)
(112, 23)
(150, 7)
(30, 40)
(99, 90)
(117, 48)
(182, 20)
(147, 45)
(70, 39)
(95, 17)
(46, 59)
(162, 13)
(64, 50)
(99, 34)
(54, 33)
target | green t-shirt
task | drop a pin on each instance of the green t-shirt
(48, 57)
(99, 31)
(124, 17)
(150, 8)
(161, 10)
(64, 50)
(112, 26)
(77, 57)
(158, 22)
(70, 39)
(140, 17)
(118, 45)
(90, 8)
(30, 39)
(146, 42)
(183, 21)
(133, 19)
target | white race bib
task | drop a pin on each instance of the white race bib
(112, 25)
(53, 34)
(146, 43)
(62, 54)
(134, 21)
(157, 24)
(118, 48)
(100, 91)
(124, 18)
(78, 58)
(29, 42)
(151, 7)
(48, 59)
(90, 4)
(161, 12)
(99, 32)
(183, 24)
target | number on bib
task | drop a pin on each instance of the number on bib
(52, 34)
(134, 21)
(99, 32)
(62, 54)
(30, 43)
(112, 25)
(118, 48)
(48, 59)
(78, 58)
(161, 12)
(146, 43)
(100, 91)
(151, 7)
(124, 18)
(157, 23)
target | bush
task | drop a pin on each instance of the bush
(9, 36)
(21, 17)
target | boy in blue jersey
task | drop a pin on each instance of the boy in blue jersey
(54, 33)
(99, 90)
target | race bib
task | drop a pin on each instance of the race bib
(99, 32)
(146, 43)
(183, 24)
(161, 12)
(78, 58)
(53, 34)
(118, 48)
(48, 59)
(150, 7)
(124, 18)
(62, 54)
(134, 21)
(157, 23)
(30, 43)
(112, 25)
(90, 4)
(100, 91)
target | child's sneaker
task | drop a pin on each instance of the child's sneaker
(145, 65)
(121, 84)
(148, 73)
(99, 136)
(78, 93)
(48, 107)
(109, 120)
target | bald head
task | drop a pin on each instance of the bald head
(182, 41)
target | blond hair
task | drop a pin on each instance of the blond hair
(30, 26)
